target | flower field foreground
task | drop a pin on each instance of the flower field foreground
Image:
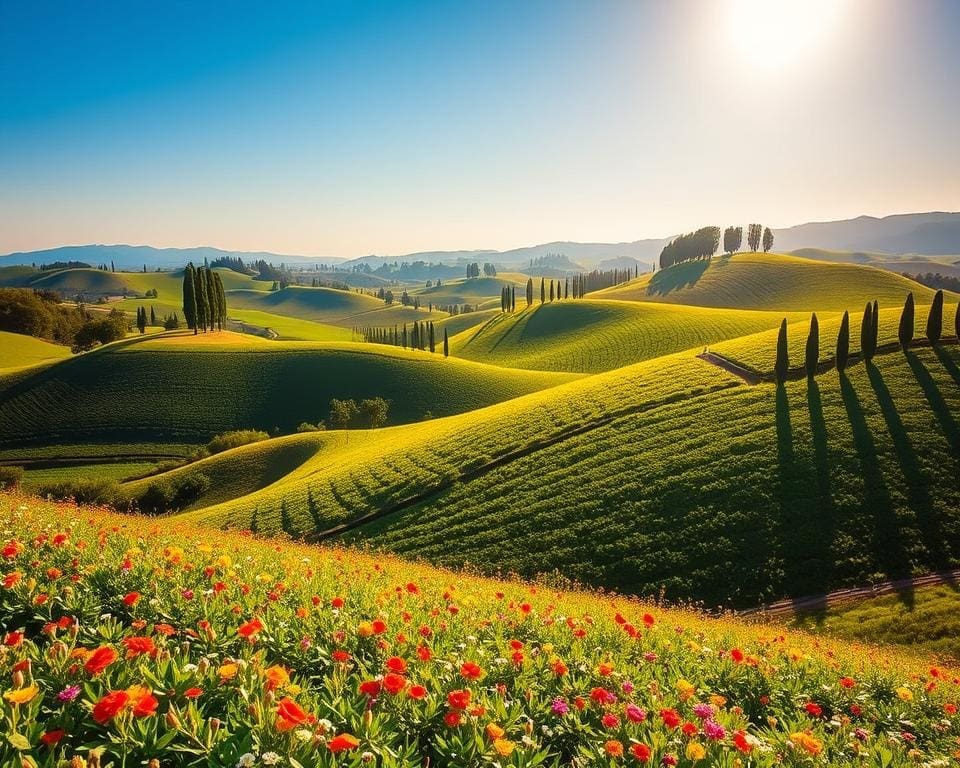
(129, 642)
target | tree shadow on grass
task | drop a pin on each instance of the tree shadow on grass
(946, 357)
(928, 518)
(891, 556)
(676, 277)
(805, 564)
(823, 523)
(937, 404)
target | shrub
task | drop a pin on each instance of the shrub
(236, 438)
(10, 477)
(306, 426)
(84, 491)
(174, 494)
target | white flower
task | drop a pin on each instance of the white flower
(247, 761)
(270, 758)
(303, 734)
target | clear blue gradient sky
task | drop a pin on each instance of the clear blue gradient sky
(350, 127)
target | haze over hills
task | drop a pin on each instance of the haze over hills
(934, 233)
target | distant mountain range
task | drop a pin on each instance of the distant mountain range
(927, 234)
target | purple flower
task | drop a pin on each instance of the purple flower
(703, 711)
(650, 656)
(560, 707)
(713, 730)
(69, 693)
(187, 594)
(627, 686)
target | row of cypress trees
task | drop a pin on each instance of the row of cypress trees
(204, 300)
(869, 330)
(421, 335)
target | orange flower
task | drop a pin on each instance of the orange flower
(807, 742)
(471, 671)
(343, 742)
(503, 747)
(613, 748)
(131, 598)
(494, 731)
(137, 646)
(290, 715)
(394, 683)
(142, 701)
(277, 677)
(110, 706)
(250, 628)
(100, 659)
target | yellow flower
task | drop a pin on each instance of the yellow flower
(696, 751)
(22, 695)
(685, 689)
(807, 742)
(718, 701)
(365, 629)
(548, 647)
(228, 671)
(503, 747)
(905, 694)
(223, 562)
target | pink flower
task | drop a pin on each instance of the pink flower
(635, 714)
(714, 730)
(560, 707)
(703, 711)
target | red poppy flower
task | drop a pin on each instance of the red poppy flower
(192, 693)
(741, 743)
(670, 717)
(458, 699)
(813, 709)
(110, 706)
(343, 742)
(341, 657)
(452, 719)
(100, 659)
(471, 671)
(370, 687)
(290, 715)
(250, 628)
(396, 664)
(417, 692)
(131, 598)
(394, 683)
(137, 646)
(52, 737)
(737, 655)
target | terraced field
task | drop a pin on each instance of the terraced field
(17, 350)
(591, 336)
(188, 388)
(770, 281)
(754, 493)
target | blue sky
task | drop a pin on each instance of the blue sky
(345, 128)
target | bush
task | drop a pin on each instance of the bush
(101, 331)
(10, 477)
(306, 426)
(236, 438)
(93, 491)
(173, 495)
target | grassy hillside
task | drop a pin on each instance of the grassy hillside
(754, 493)
(770, 281)
(290, 328)
(190, 387)
(17, 350)
(591, 336)
(469, 291)
(313, 656)
(326, 305)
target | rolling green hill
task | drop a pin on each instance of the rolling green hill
(326, 305)
(769, 281)
(591, 336)
(17, 350)
(472, 291)
(669, 474)
(188, 387)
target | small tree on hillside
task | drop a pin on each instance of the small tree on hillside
(812, 357)
(874, 328)
(446, 344)
(342, 413)
(529, 291)
(754, 232)
(543, 292)
(866, 333)
(433, 346)
(373, 412)
(732, 239)
(935, 318)
(843, 343)
(905, 332)
(190, 297)
(142, 320)
(767, 239)
(783, 360)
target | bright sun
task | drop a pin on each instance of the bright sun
(772, 35)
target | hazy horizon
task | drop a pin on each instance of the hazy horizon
(349, 129)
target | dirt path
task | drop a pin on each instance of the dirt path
(820, 602)
(730, 367)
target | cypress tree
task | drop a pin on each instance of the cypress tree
(866, 334)
(211, 298)
(404, 335)
(551, 290)
(783, 360)
(433, 346)
(874, 328)
(813, 347)
(956, 322)
(201, 291)
(446, 344)
(513, 298)
(905, 332)
(153, 316)
(566, 287)
(221, 301)
(190, 297)
(543, 291)
(529, 291)
(935, 319)
(843, 342)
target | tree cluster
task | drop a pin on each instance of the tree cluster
(370, 413)
(701, 244)
(39, 313)
(234, 263)
(419, 335)
(508, 299)
(598, 279)
(204, 300)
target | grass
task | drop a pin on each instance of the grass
(770, 281)
(667, 475)
(291, 328)
(34, 478)
(472, 291)
(330, 306)
(927, 618)
(185, 388)
(324, 657)
(18, 350)
(591, 336)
